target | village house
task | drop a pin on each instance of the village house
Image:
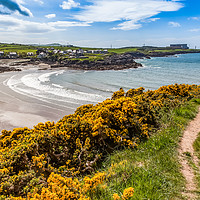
(40, 50)
(30, 54)
(80, 51)
(68, 51)
(1, 54)
(105, 51)
(13, 55)
(88, 51)
(61, 52)
(42, 55)
(55, 51)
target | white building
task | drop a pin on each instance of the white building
(42, 55)
(1, 53)
(13, 55)
(30, 54)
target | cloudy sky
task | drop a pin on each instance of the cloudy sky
(101, 23)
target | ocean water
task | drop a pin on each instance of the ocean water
(71, 88)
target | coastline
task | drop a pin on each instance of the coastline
(111, 62)
(23, 111)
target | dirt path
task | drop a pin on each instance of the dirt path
(186, 146)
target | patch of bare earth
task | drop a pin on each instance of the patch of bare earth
(186, 147)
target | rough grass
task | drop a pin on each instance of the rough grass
(152, 169)
(196, 146)
(122, 50)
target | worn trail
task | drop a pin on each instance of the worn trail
(186, 147)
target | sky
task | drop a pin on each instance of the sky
(101, 23)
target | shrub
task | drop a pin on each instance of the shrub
(36, 163)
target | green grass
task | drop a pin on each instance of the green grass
(147, 50)
(174, 50)
(196, 146)
(17, 48)
(152, 169)
(122, 50)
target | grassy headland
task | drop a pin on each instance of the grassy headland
(81, 58)
(22, 50)
(102, 151)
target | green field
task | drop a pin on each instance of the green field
(29, 48)
(17, 48)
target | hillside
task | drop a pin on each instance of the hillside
(60, 160)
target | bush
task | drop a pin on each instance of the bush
(35, 163)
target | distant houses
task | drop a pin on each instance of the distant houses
(179, 46)
(1, 54)
(54, 52)
(105, 51)
(13, 55)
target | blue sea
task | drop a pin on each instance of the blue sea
(71, 88)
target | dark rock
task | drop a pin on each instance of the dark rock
(8, 69)
(111, 62)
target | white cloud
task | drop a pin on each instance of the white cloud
(8, 7)
(131, 13)
(64, 24)
(194, 18)
(66, 5)
(13, 25)
(150, 20)
(39, 1)
(49, 16)
(127, 25)
(195, 30)
(174, 24)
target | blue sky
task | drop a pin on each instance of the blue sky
(101, 23)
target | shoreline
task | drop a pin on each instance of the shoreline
(22, 111)
(111, 62)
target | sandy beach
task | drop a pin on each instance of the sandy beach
(18, 110)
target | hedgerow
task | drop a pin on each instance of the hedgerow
(56, 160)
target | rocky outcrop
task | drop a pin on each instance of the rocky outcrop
(165, 54)
(111, 62)
(8, 69)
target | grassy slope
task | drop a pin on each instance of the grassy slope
(28, 48)
(153, 169)
(197, 173)
(17, 48)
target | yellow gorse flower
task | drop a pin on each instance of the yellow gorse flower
(50, 161)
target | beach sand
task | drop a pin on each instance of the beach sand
(18, 110)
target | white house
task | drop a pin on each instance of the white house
(1, 53)
(42, 55)
(55, 51)
(68, 51)
(12, 55)
(80, 51)
(105, 51)
(30, 54)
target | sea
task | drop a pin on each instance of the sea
(73, 88)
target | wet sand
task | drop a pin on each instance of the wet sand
(18, 110)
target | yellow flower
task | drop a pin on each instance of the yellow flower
(116, 196)
(128, 193)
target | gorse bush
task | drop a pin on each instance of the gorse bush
(55, 160)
